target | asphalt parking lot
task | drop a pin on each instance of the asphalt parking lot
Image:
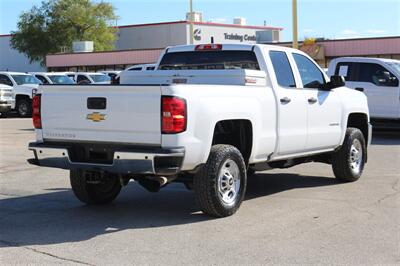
(299, 215)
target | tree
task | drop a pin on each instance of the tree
(57, 23)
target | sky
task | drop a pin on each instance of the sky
(333, 19)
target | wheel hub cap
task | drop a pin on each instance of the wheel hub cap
(356, 156)
(229, 182)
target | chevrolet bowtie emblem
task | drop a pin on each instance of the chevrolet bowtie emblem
(96, 117)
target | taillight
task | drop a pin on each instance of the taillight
(208, 47)
(173, 115)
(36, 117)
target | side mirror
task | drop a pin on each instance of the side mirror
(336, 82)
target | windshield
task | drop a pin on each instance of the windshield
(396, 66)
(205, 60)
(25, 79)
(100, 78)
(61, 79)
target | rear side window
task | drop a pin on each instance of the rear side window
(205, 60)
(345, 69)
(283, 71)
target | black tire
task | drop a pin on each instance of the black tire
(102, 193)
(208, 181)
(344, 161)
(24, 108)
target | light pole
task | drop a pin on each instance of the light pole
(294, 18)
(191, 21)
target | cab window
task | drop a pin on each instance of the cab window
(369, 72)
(42, 79)
(5, 80)
(376, 74)
(310, 74)
(282, 69)
(81, 79)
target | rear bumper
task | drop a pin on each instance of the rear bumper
(143, 160)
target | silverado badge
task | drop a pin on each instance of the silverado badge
(96, 117)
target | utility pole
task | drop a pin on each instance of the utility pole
(294, 18)
(191, 21)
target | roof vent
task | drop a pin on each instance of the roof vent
(239, 21)
(196, 16)
(82, 47)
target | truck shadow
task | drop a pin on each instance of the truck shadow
(57, 217)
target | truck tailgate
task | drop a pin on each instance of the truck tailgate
(102, 113)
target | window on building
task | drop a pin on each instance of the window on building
(310, 74)
(282, 68)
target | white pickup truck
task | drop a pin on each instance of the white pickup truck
(206, 117)
(24, 87)
(379, 79)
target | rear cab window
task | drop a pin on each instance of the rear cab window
(283, 70)
(207, 60)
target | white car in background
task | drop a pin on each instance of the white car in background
(113, 74)
(24, 87)
(378, 79)
(7, 102)
(53, 78)
(84, 78)
(142, 67)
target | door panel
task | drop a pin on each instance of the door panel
(324, 110)
(292, 108)
(292, 121)
(324, 117)
(383, 102)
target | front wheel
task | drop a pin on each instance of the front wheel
(102, 191)
(221, 183)
(348, 162)
(24, 108)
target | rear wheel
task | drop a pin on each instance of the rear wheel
(221, 183)
(101, 191)
(24, 108)
(348, 162)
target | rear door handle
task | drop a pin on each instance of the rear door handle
(312, 100)
(285, 100)
(359, 89)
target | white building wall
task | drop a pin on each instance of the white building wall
(203, 34)
(151, 36)
(12, 60)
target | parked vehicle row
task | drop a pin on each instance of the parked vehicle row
(207, 116)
